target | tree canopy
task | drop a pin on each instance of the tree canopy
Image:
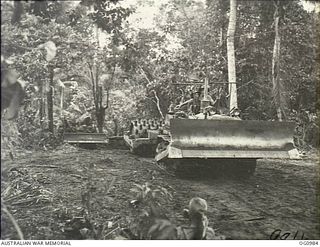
(110, 68)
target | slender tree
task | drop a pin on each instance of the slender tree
(50, 99)
(276, 80)
(233, 102)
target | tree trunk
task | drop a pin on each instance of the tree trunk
(158, 104)
(277, 86)
(41, 106)
(97, 93)
(97, 90)
(233, 102)
(17, 12)
(116, 126)
(61, 101)
(50, 101)
(100, 111)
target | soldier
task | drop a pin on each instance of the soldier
(195, 102)
(195, 105)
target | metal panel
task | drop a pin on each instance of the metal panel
(255, 154)
(85, 138)
(135, 143)
(231, 135)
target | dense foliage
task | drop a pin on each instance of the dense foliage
(109, 70)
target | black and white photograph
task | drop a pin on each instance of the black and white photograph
(160, 120)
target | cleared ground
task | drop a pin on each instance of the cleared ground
(46, 191)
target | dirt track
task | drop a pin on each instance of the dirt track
(281, 195)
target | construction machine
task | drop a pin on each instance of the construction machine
(222, 142)
(142, 138)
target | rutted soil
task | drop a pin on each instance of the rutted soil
(45, 193)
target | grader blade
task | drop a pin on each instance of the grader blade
(199, 138)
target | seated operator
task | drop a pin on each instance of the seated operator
(195, 102)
